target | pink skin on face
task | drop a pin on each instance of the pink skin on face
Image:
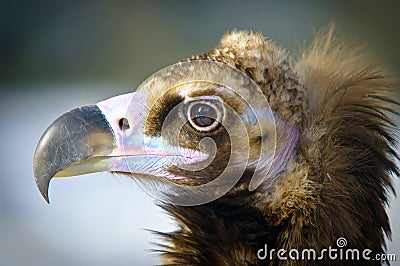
(135, 152)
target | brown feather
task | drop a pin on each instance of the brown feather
(336, 185)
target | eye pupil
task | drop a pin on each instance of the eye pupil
(203, 115)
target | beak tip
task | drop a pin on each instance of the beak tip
(46, 197)
(43, 188)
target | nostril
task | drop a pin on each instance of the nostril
(123, 124)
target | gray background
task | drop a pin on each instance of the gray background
(56, 56)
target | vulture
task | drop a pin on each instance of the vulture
(260, 158)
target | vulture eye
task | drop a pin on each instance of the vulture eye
(203, 116)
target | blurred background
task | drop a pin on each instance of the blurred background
(57, 55)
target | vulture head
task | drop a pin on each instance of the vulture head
(246, 151)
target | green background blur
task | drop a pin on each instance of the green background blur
(57, 55)
(112, 41)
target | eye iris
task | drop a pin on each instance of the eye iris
(203, 115)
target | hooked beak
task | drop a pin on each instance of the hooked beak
(108, 136)
(81, 141)
(69, 143)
